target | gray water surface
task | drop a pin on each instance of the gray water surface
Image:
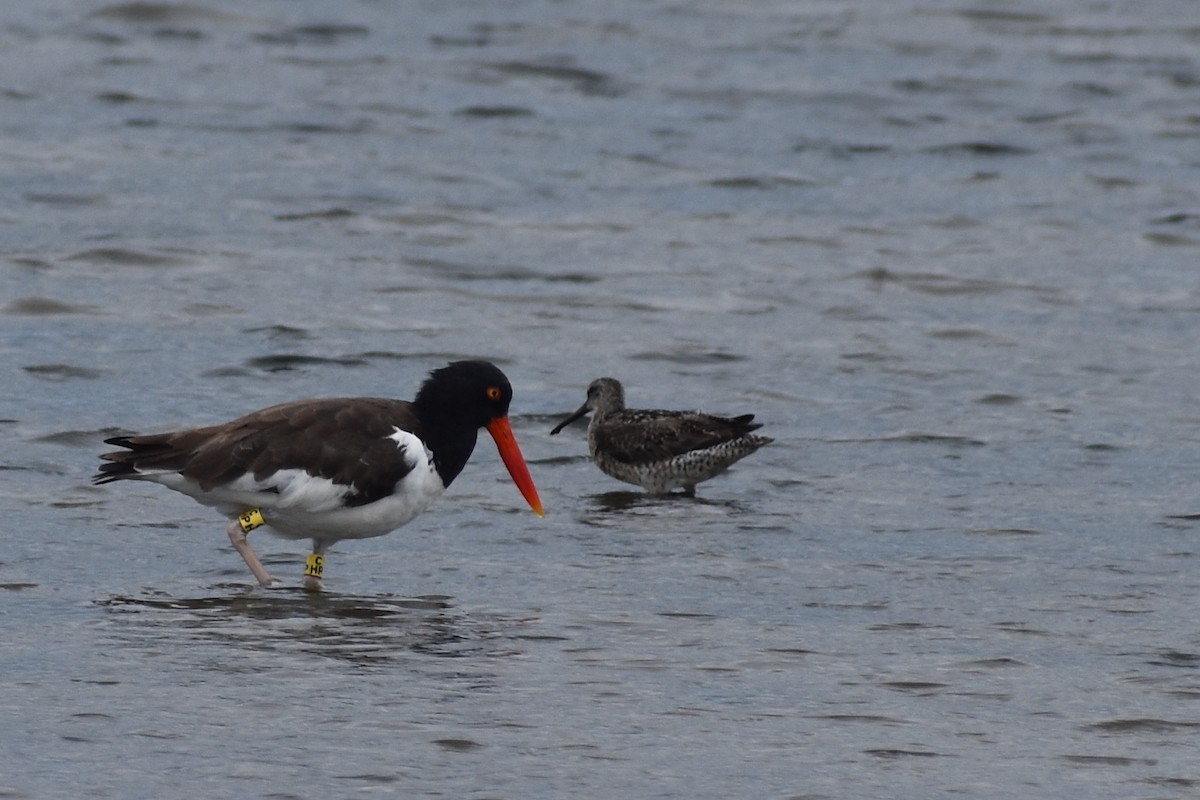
(945, 251)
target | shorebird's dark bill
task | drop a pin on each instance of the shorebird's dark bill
(583, 409)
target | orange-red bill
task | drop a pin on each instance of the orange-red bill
(510, 454)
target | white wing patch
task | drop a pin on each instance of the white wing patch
(295, 488)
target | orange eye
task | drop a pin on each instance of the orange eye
(493, 393)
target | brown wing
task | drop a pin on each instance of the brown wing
(344, 440)
(642, 436)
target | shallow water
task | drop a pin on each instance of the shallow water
(945, 252)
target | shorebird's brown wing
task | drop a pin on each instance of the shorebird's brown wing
(637, 436)
(344, 440)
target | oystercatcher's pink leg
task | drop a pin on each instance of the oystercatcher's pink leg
(314, 566)
(237, 536)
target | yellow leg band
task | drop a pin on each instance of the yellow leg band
(250, 520)
(314, 567)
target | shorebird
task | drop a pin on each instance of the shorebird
(331, 469)
(661, 450)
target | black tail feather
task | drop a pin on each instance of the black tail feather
(140, 450)
(744, 424)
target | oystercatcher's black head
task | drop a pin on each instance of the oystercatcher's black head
(458, 399)
(475, 392)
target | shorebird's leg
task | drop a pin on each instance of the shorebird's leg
(314, 566)
(237, 536)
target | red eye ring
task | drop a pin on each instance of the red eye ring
(493, 393)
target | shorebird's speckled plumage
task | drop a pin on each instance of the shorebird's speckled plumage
(661, 450)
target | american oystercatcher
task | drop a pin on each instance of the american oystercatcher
(332, 469)
(661, 450)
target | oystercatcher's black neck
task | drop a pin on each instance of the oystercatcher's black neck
(449, 440)
(453, 404)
